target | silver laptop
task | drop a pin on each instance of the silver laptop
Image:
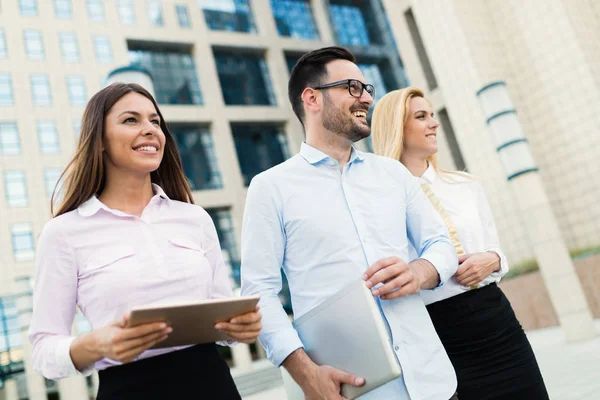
(347, 332)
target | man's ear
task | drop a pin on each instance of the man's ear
(311, 99)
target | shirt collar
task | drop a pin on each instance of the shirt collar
(315, 156)
(93, 205)
(429, 175)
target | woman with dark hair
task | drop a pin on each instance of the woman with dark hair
(127, 234)
(473, 318)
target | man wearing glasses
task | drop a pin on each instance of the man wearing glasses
(332, 214)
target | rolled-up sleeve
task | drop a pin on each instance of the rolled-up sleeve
(428, 233)
(263, 247)
(54, 305)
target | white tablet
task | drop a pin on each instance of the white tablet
(193, 323)
(348, 332)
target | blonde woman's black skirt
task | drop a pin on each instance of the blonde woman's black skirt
(487, 346)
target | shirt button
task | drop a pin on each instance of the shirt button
(397, 348)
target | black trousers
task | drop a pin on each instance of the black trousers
(487, 346)
(197, 372)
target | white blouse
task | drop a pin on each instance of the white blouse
(467, 206)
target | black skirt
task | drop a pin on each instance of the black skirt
(487, 346)
(196, 372)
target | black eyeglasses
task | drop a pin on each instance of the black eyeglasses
(355, 87)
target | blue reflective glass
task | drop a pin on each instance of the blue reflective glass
(3, 50)
(76, 90)
(198, 156)
(259, 147)
(373, 75)
(291, 60)
(10, 144)
(294, 18)
(126, 12)
(103, 49)
(40, 90)
(244, 79)
(224, 226)
(228, 15)
(62, 9)
(48, 137)
(28, 7)
(155, 14)
(69, 47)
(173, 75)
(6, 90)
(95, 10)
(34, 46)
(183, 16)
(354, 23)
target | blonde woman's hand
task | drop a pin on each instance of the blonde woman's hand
(475, 267)
(244, 328)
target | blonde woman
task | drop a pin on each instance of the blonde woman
(474, 320)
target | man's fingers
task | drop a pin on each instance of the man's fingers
(344, 377)
(248, 318)
(379, 265)
(410, 288)
(393, 284)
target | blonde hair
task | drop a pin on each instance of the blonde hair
(387, 126)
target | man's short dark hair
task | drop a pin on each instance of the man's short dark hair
(310, 70)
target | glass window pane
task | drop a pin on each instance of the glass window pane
(76, 89)
(51, 176)
(224, 226)
(3, 49)
(103, 49)
(6, 90)
(294, 18)
(69, 47)
(48, 137)
(126, 12)
(228, 15)
(10, 143)
(198, 156)
(62, 9)
(182, 16)
(259, 147)
(15, 187)
(28, 7)
(155, 12)
(244, 79)
(34, 47)
(22, 242)
(40, 90)
(173, 74)
(95, 10)
(354, 22)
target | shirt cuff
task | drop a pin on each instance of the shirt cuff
(503, 264)
(62, 353)
(440, 261)
(288, 341)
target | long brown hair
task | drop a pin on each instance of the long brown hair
(84, 176)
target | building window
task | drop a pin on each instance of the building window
(3, 50)
(126, 12)
(40, 90)
(197, 156)
(11, 352)
(421, 51)
(103, 49)
(51, 177)
(294, 18)
(10, 144)
(155, 13)
(16, 189)
(228, 15)
(34, 47)
(354, 22)
(77, 127)
(6, 90)
(62, 9)
(28, 7)
(259, 147)
(173, 74)
(291, 59)
(378, 74)
(48, 137)
(69, 47)
(95, 10)
(22, 241)
(224, 226)
(183, 16)
(459, 161)
(76, 89)
(244, 78)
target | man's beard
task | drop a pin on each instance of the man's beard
(334, 120)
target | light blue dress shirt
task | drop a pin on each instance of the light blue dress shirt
(325, 228)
